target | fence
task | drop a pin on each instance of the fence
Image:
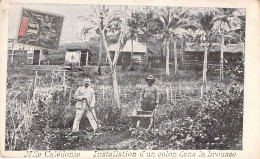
(49, 81)
(168, 94)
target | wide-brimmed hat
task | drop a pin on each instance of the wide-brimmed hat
(150, 78)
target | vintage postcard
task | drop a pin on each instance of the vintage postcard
(132, 79)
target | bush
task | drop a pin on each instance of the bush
(216, 124)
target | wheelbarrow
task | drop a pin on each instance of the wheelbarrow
(144, 119)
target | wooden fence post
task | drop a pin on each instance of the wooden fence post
(175, 58)
(34, 85)
(171, 92)
(175, 95)
(65, 90)
(87, 59)
(180, 90)
(64, 76)
(103, 92)
(205, 63)
(52, 74)
(167, 94)
(201, 91)
(221, 76)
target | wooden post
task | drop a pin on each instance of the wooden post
(180, 89)
(182, 49)
(146, 53)
(175, 95)
(40, 57)
(175, 58)
(34, 85)
(64, 76)
(167, 43)
(205, 64)
(87, 59)
(52, 77)
(132, 52)
(65, 90)
(167, 94)
(103, 88)
(36, 75)
(171, 91)
(63, 83)
(201, 91)
(221, 59)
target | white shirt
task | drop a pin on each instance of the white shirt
(83, 92)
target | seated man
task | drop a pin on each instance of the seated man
(149, 97)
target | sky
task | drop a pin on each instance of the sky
(71, 12)
(71, 25)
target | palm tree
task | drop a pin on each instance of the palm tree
(225, 21)
(182, 34)
(239, 34)
(95, 23)
(171, 19)
(149, 27)
(204, 24)
(142, 26)
(133, 27)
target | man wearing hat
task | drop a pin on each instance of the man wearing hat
(149, 96)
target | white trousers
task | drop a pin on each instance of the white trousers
(79, 114)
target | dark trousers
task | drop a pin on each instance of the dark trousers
(147, 106)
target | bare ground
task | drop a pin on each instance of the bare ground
(59, 139)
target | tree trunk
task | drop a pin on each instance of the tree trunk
(115, 86)
(205, 63)
(146, 54)
(112, 64)
(182, 49)
(164, 46)
(167, 48)
(175, 58)
(221, 59)
(132, 50)
(100, 56)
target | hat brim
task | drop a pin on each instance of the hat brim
(149, 79)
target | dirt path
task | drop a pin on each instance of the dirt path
(60, 140)
(112, 140)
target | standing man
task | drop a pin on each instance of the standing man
(85, 103)
(149, 97)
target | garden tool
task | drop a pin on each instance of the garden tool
(86, 103)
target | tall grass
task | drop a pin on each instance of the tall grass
(19, 114)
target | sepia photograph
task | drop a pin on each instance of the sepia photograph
(93, 77)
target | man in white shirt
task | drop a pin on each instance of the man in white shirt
(85, 103)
